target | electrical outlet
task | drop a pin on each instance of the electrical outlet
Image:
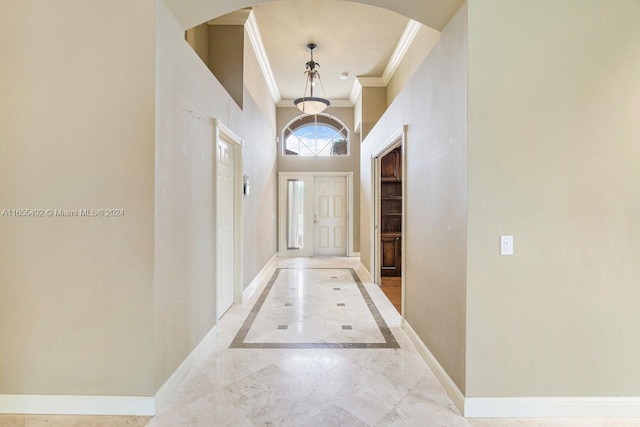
(506, 245)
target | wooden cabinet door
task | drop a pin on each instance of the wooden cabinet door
(391, 166)
(391, 255)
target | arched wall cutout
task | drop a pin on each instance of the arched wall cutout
(432, 13)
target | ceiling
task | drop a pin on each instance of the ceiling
(351, 37)
(432, 13)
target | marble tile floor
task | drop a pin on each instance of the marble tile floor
(314, 308)
(309, 386)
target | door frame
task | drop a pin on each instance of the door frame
(282, 209)
(221, 132)
(398, 139)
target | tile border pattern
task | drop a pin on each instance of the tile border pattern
(390, 340)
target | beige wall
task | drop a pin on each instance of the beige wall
(349, 163)
(188, 94)
(554, 159)
(198, 38)
(260, 162)
(77, 131)
(425, 40)
(226, 58)
(373, 103)
(433, 106)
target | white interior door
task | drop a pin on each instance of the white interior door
(225, 214)
(329, 215)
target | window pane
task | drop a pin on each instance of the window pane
(295, 214)
(319, 135)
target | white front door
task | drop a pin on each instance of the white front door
(329, 215)
(225, 225)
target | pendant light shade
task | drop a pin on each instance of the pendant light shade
(312, 104)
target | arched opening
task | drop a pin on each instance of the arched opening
(315, 135)
(432, 13)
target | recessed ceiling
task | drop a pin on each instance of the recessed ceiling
(351, 37)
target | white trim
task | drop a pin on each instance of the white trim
(107, 405)
(76, 405)
(445, 380)
(354, 254)
(282, 200)
(263, 60)
(552, 407)
(356, 91)
(364, 273)
(409, 34)
(390, 143)
(525, 407)
(223, 132)
(407, 38)
(227, 133)
(350, 214)
(259, 279)
(397, 139)
(172, 383)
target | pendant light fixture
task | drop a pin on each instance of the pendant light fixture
(312, 104)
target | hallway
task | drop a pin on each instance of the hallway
(327, 364)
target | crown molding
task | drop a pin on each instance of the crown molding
(356, 91)
(263, 60)
(407, 38)
(409, 34)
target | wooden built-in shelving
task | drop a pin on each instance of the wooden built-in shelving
(391, 213)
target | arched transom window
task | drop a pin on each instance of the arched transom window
(315, 135)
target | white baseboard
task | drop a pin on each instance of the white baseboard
(355, 254)
(525, 407)
(445, 380)
(76, 405)
(551, 407)
(260, 277)
(365, 276)
(172, 383)
(106, 405)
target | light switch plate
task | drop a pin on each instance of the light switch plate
(506, 245)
